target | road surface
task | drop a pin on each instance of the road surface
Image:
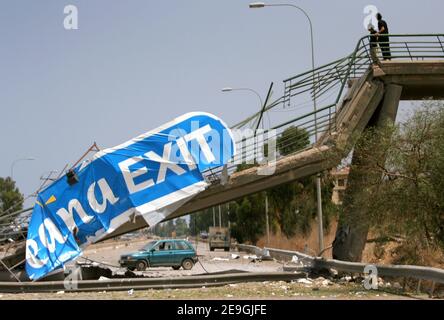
(209, 261)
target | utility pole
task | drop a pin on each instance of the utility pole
(228, 214)
(320, 224)
(214, 217)
(220, 217)
(318, 177)
(267, 225)
(197, 235)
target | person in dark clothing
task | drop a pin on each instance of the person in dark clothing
(373, 44)
(383, 39)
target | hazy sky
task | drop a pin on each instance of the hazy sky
(133, 65)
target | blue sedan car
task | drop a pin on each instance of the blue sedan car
(173, 253)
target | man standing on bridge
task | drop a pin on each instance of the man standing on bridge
(383, 39)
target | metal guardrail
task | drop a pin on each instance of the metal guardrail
(317, 263)
(251, 249)
(399, 271)
(198, 281)
(314, 263)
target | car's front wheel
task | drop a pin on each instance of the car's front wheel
(141, 265)
(187, 264)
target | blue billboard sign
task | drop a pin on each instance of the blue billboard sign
(149, 176)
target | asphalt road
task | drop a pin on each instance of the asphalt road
(209, 261)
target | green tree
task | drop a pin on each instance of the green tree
(10, 197)
(294, 203)
(247, 217)
(158, 230)
(292, 139)
(169, 228)
(201, 221)
(164, 229)
(286, 212)
(403, 193)
(181, 227)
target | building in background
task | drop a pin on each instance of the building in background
(340, 177)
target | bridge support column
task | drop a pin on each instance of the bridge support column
(390, 104)
(353, 226)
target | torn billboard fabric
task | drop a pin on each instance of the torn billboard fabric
(151, 176)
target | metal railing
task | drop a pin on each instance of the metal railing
(327, 85)
(313, 263)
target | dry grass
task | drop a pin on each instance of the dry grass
(300, 242)
(259, 290)
(386, 253)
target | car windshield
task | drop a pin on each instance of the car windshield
(148, 246)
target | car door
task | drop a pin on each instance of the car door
(182, 251)
(161, 254)
(178, 253)
(169, 253)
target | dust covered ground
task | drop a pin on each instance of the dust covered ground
(253, 290)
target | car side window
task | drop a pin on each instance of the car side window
(181, 245)
(160, 246)
(168, 246)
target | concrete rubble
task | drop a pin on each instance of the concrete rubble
(220, 259)
(305, 281)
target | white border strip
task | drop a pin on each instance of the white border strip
(149, 208)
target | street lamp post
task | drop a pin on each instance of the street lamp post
(228, 89)
(214, 218)
(255, 5)
(15, 162)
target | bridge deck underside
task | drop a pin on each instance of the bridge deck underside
(419, 79)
